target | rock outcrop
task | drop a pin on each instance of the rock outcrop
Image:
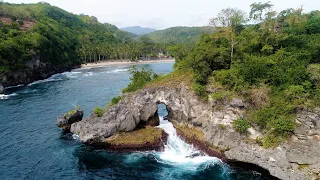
(64, 121)
(34, 70)
(147, 138)
(298, 158)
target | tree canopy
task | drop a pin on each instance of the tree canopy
(274, 64)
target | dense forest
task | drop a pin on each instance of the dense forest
(180, 35)
(271, 59)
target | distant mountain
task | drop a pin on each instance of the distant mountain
(178, 35)
(138, 30)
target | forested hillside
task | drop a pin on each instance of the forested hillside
(37, 40)
(137, 30)
(180, 35)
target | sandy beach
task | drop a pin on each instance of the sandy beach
(124, 62)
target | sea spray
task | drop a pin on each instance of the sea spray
(179, 152)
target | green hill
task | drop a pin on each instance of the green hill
(180, 35)
(37, 40)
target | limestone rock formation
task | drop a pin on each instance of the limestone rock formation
(298, 158)
(65, 121)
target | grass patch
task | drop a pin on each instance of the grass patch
(141, 136)
(70, 114)
(173, 79)
(222, 95)
(222, 126)
(98, 111)
(303, 166)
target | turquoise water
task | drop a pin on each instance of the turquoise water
(32, 147)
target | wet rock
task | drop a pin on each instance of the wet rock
(1, 89)
(65, 121)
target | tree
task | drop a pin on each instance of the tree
(230, 20)
(260, 10)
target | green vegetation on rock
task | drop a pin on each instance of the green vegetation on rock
(139, 79)
(115, 100)
(69, 114)
(98, 111)
(241, 125)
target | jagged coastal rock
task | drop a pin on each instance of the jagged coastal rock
(34, 70)
(65, 121)
(298, 158)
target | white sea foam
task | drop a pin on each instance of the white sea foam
(179, 152)
(117, 70)
(58, 77)
(7, 96)
(88, 74)
(75, 137)
(73, 75)
(10, 87)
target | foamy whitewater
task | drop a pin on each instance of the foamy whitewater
(179, 152)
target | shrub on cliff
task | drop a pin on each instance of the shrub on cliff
(115, 100)
(139, 79)
(241, 125)
(98, 111)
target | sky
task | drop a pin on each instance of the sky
(164, 13)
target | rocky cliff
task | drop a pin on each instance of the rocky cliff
(298, 158)
(34, 70)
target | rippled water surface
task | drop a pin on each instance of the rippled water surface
(32, 147)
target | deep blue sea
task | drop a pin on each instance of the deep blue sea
(32, 147)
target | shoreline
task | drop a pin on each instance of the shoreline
(124, 62)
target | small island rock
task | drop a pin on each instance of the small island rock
(64, 121)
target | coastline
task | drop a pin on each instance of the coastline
(123, 62)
